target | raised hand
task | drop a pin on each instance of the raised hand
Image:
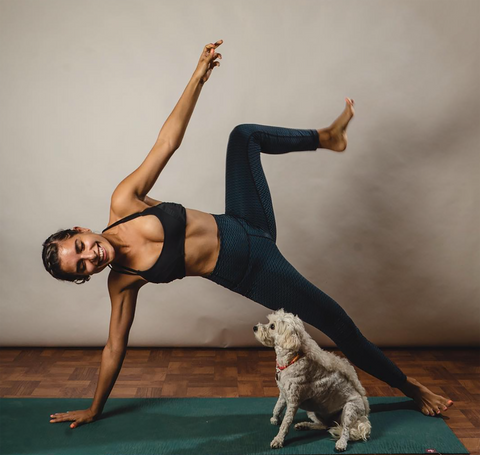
(208, 61)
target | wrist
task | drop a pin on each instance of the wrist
(197, 79)
(95, 412)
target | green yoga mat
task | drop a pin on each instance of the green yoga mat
(206, 426)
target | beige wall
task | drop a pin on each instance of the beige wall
(389, 228)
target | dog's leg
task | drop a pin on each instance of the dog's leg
(277, 410)
(349, 416)
(277, 441)
(317, 424)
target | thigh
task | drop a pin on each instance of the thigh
(275, 283)
(247, 194)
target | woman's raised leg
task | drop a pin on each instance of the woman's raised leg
(247, 194)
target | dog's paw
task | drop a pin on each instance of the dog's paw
(302, 426)
(275, 421)
(277, 443)
(341, 445)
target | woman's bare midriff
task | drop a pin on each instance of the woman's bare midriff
(202, 243)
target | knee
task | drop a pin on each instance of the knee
(243, 130)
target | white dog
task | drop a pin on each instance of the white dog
(320, 382)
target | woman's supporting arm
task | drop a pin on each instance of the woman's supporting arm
(109, 369)
(123, 311)
(121, 320)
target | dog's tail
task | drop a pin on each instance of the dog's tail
(359, 430)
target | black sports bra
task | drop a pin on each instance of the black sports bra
(170, 264)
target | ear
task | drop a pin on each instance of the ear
(298, 322)
(82, 229)
(289, 340)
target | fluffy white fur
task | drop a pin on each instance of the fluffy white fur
(320, 382)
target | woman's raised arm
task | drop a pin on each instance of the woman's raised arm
(139, 183)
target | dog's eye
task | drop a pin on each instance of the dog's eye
(272, 326)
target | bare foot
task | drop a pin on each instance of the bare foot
(335, 136)
(428, 402)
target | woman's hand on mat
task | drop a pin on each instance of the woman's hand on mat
(207, 61)
(78, 417)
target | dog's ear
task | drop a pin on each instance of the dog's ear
(289, 340)
(298, 322)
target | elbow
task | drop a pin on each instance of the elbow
(116, 348)
(169, 142)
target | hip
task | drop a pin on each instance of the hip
(243, 249)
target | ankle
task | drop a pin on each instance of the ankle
(324, 135)
(410, 387)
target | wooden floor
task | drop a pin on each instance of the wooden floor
(160, 372)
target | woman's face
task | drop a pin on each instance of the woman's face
(85, 253)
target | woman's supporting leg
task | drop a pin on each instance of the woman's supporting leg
(272, 280)
(275, 283)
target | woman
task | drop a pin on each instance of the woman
(153, 241)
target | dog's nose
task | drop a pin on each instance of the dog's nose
(255, 328)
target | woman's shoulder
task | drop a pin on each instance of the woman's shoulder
(119, 283)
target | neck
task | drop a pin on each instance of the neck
(284, 357)
(119, 246)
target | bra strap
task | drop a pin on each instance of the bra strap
(135, 215)
(123, 220)
(126, 271)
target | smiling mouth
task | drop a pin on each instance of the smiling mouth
(101, 255)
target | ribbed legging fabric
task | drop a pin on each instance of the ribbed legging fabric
(250, 262)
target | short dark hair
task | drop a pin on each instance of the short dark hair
(51, 260)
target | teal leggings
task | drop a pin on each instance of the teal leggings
(250, 262)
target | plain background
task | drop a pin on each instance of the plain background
(389, 228)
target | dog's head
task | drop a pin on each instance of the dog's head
(282, 330)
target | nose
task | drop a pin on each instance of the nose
(255, 328)
(89, 255)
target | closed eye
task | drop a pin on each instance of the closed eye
(79, 247)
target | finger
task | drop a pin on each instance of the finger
(57, 420)
(60, 419)
(62, 416)
(214, 45)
